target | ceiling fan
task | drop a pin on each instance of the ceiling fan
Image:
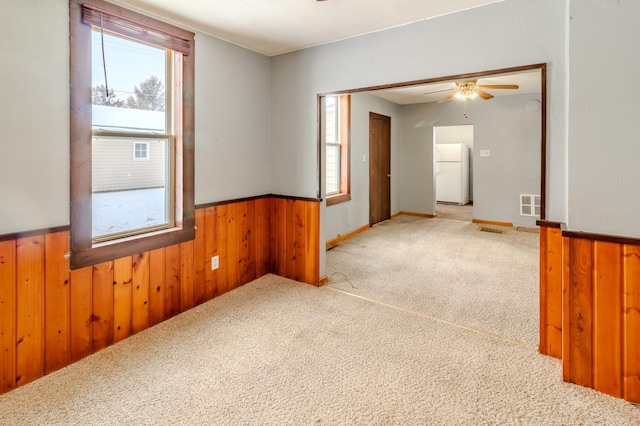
(468, 90)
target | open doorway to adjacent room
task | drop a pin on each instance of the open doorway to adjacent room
(453, 171)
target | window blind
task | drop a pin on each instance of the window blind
(92, 15)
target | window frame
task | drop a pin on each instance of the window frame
(84, 251)
(344, 125)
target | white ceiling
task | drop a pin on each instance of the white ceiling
(528, 82)
(273, 27)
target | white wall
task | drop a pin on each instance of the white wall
(34, 115)
(232, 121)
(348, 216)
(458, 134)
(510, 33)
(604, 146)
(232, 117)
(501, 125)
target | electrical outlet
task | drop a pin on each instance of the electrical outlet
(485, 153)
(214, 263)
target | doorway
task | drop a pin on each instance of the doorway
(453, 180)
(379, 168)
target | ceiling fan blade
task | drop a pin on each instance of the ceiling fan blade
(499, 86)
(446, 98)
(438, 91)
(483, 94)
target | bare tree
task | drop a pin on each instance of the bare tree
(148, 95)
(99, 97)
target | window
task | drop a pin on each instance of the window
(140, 151)
(337, 135)
(138, 93)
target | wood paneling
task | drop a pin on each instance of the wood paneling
(7, 315)
(140, 292)
(219, 276)
(122, 298)
(57, 302)
(231, 247)
(262, 237)
(631, 323)
(30, 309)
(600, 302)
(156, 286)
(296, 240)
(200, 259)
(50, 316)
(81, 312)
(172, 281)
(579, 314)
(102, 330)
(281, 223)
(211, 232)
(186, 275)
(551, 292)
(607, 320)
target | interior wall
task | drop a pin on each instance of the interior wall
(231, 117)
(34, 106)
(458, 134)
(501, 125)
(348, 216)
(516, 32)
(603, 132)
(232, 121)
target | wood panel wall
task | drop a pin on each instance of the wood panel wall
(601, 345)
(551, 291)
(591, 284)
(51, 317)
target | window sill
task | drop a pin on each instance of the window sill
(111, 250)
(338, 198)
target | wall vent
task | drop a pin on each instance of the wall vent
(492, 230)
(529, 205)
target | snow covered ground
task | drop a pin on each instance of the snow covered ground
(121, 211)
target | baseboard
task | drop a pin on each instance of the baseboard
(323, 280)
(342, 237)
(431, 216)
(491, 222)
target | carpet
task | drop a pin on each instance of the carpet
(446, 269)
(278, 352)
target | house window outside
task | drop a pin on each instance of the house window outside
(136, 96)
(337, 135)
(140, 151)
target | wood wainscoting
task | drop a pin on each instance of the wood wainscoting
(594, 282)
(551, 289)
(51, 316)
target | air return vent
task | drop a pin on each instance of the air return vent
(492, 230)
(529, 205)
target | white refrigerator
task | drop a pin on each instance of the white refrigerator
(452, 173)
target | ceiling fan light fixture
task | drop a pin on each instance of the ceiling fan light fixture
(466, 95)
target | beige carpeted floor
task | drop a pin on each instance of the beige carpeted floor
(454, 211)
(280, 352)
(446, 269)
